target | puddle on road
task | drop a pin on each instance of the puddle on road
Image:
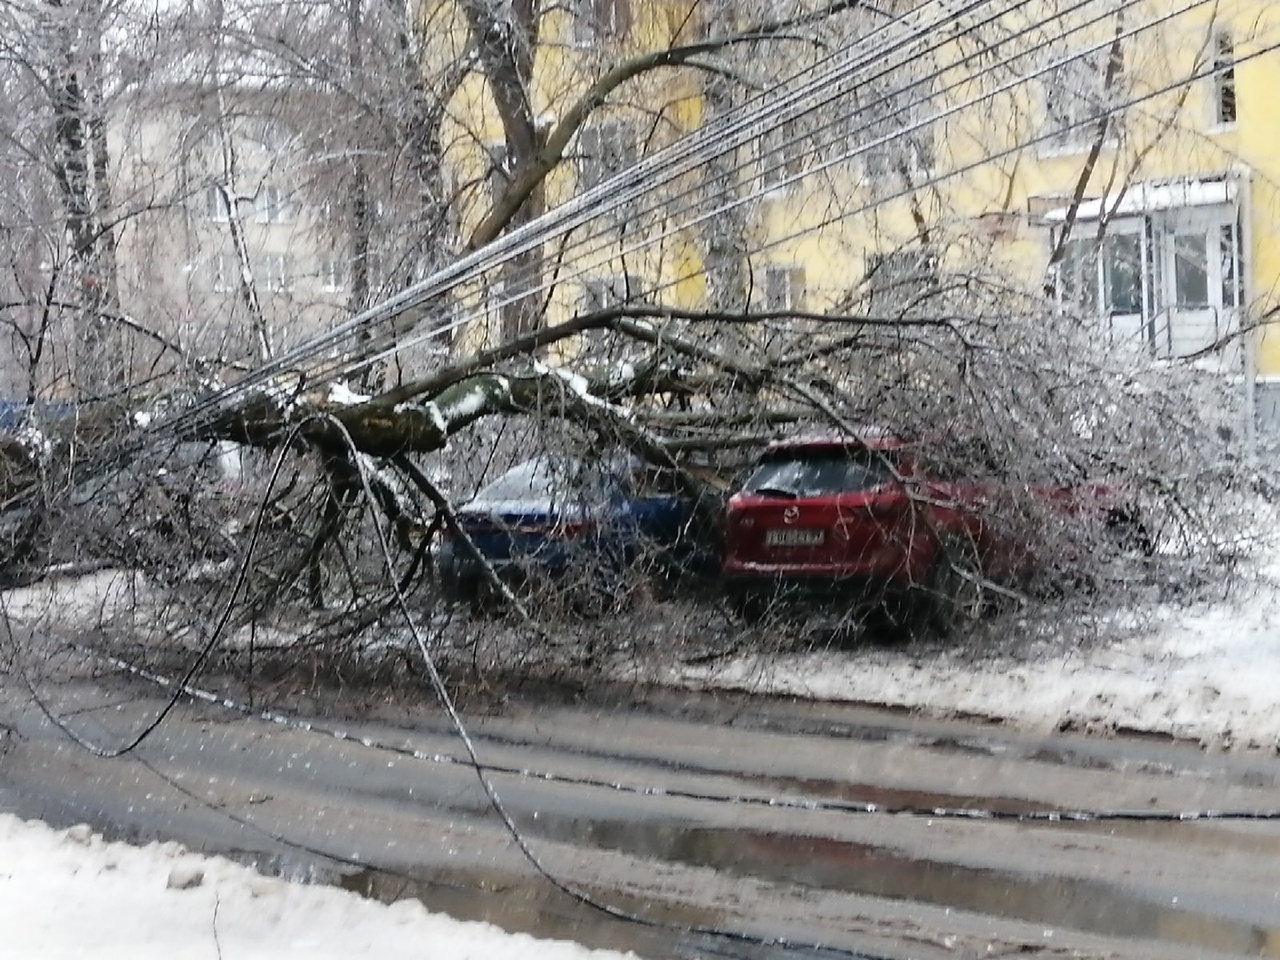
(860, 869)
(536, 908)
(522, 904)
(890, 799)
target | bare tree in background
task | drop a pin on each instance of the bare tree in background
(673, 320)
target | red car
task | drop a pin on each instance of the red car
(859, 519)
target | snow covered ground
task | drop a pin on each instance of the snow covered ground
(68, 894)
(1209, 672)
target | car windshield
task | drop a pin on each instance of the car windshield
(545, 482)
(818, 473)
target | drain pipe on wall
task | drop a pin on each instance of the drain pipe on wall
(1243, 175)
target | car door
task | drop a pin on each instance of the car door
(652, 512)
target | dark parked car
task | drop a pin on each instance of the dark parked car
(582, 526)
(860, 519)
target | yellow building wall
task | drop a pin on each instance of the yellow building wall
(990, 186)
(663, 105)
(1171, 134)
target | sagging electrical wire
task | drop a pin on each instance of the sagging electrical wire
(725, 133)
(486, 772)
(750, 127)
(863, 148)
(623, 196)
(803, 804)
(1114, 110)
(445, 699)
(202, 655)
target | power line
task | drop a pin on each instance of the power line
(625, 188)
(723, 134)
(863, 148)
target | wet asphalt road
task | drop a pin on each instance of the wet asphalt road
(704, 825)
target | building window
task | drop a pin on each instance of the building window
(606, 149)
(493, 300)
(888, 124)
(275, 272)
(224, 272)
(899, 281)
(704, 22)
(330, 213)
(605, 292)
(216, 207)
(780, 155)
(1224, 80)
(274, 205)
(266, 135)
(333, 274)
(1077, 96)
(1103, 276)
(1191, 271)
(597, 20)
(1229, 255)
(1168, 281)
(783, 288)
(497, 175)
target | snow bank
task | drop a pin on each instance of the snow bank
(69, 894)
(76, 601)
(1207, 673)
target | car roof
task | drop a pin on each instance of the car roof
(870, 438)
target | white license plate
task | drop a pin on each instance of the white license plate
(794, 537)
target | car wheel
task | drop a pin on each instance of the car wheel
(751, 608)
(956, 594)
(760, 604)
(485, 598)
(1129, 532)
(592, 601)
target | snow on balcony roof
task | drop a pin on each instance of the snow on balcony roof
(1150, 197)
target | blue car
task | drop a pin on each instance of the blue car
(572, 528)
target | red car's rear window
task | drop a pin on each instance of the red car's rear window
(818, 473)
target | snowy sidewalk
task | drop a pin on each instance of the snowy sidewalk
(68, 894)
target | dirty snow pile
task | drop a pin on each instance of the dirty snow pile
(1208, 672)
(69, 894)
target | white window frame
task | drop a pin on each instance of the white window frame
(1163, 321)
(599, 21)
(783, 287)
(333, 273)
(274, 204)
(1177, 321)
(224, 272)
(1075, 98)
(274, 272)
(329, 213)
(780, 156)
(217, 204)
(605, 149)
(894, 115)
(1095, 269)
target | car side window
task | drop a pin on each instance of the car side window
(961, 459)
(651, 482)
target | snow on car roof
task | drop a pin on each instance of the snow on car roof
(871, 438)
